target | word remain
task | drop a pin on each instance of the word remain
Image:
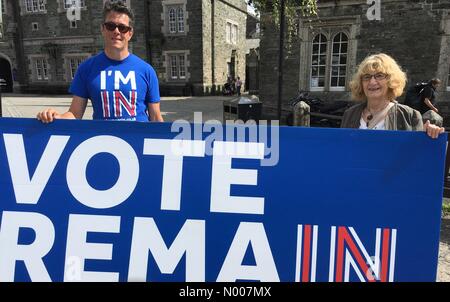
(346, 251)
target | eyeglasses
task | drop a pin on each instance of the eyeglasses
(111, 26)
(378, 76)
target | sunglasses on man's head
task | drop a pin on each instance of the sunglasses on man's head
(111, 26)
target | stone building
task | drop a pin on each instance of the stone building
(326, 50)
(192, 44)
(196, 45)
(252, 55)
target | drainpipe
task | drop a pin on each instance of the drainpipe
(18, 42)
(148, 28)
(280, 59)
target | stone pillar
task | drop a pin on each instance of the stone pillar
(433, 117)
(301, 114)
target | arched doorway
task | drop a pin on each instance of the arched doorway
(5, 74)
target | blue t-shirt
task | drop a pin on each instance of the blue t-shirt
(118, 90)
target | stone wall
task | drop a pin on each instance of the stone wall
(7, 49)
(225, 51)
(415, 33)
(151, 42)
(83, 40)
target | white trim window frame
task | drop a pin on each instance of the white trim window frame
(71, 63)
(318, 68)
(172, 20)
(74, 63)
(180, 19)
(177, 66)
(329, 62)
(234, 34)
(41, 69)
(3, 8)
(231, 32)
(69, 3)
(34, 26)
(176, 19)
(34, 6)
(338, 64)
(448, 79)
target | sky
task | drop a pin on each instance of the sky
(250, 9)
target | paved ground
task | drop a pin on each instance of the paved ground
(174, 108)
(443, 274)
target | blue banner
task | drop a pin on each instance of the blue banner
(124, 201)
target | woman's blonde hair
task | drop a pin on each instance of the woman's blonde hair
(383, 63)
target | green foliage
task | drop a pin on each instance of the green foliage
(293, 10)
(446, 208)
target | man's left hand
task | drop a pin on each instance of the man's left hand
(433, 131)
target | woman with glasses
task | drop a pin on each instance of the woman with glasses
(378, 81)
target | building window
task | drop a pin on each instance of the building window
(73, 24)
(448, 80)
(318, 62)
(33, 6)
(180, 19)
(234, 34)
(34, 26)
(172, 21)
(231, 33)
(3, 6)
(176, 19)
(41, 69)
(74, 63)
(173, 67)
(182, 67)
(339, 61)
(176, 66)
(329, 62)
(69, 3)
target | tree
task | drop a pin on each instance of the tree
(293, 9)
(285, 12)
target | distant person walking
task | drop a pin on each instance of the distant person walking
(428, 96)
(238, 86)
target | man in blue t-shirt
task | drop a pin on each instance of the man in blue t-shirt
(120, 85)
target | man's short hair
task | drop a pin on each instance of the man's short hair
(435, 81)
(117, 6)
